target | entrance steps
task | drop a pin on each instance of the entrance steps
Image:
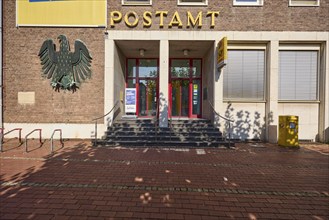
(179, 133)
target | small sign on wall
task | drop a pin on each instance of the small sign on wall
(26, 98)
(130, 100)
(222, 53)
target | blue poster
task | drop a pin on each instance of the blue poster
(130, 101)
(130, 97)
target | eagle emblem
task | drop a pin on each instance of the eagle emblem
(65, 68)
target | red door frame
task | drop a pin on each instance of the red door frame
(190, 79)
(137, 78)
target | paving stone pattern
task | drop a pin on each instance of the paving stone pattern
(82, 182)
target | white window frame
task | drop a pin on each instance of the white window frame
(203, 3)
(256, 3)
(148, 2)
(291, 3)
(302, 47)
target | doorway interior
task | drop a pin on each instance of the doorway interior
(185, 88)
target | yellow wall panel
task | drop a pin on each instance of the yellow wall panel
(61, 13)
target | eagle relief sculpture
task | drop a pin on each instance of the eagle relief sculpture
(65, 68)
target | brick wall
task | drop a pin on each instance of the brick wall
(22, 73)
(274, 15)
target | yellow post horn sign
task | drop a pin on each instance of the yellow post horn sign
(222, 53)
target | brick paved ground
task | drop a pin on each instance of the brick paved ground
(252, 181)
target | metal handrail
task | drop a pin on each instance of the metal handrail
(226, 119)
(40, 130)
(3, 134)
(170, 122)
(156, 121)
(95, 119)
(52, 139)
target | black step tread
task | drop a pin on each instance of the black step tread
(170, 120)
(163, 135)
(167, 143)
(165, 139)
(179, 133)
(156, 126)
(147, 132)
(161, 128)
(150, 122)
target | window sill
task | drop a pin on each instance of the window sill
(299, 101)
(244, 101)
(304, 5)
(244, 5)
(192, 4)
(136, 4)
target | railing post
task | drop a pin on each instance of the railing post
(40, 137)
(95, 142)
(31, 133)
(26, 145)
(52, 142)
(156, 130)
(1, 141)
(52, 139)
(61, 138)
(170, 121)
(20, 135)
(229, 134)
(170, 125)
(156, 120)
(51, 146)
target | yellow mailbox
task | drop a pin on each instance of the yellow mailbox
(288, 131)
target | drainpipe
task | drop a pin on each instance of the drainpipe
(1, 121)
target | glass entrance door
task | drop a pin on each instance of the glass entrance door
(142, 74)
(147, 99)
(180, 98)
(185, 88)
